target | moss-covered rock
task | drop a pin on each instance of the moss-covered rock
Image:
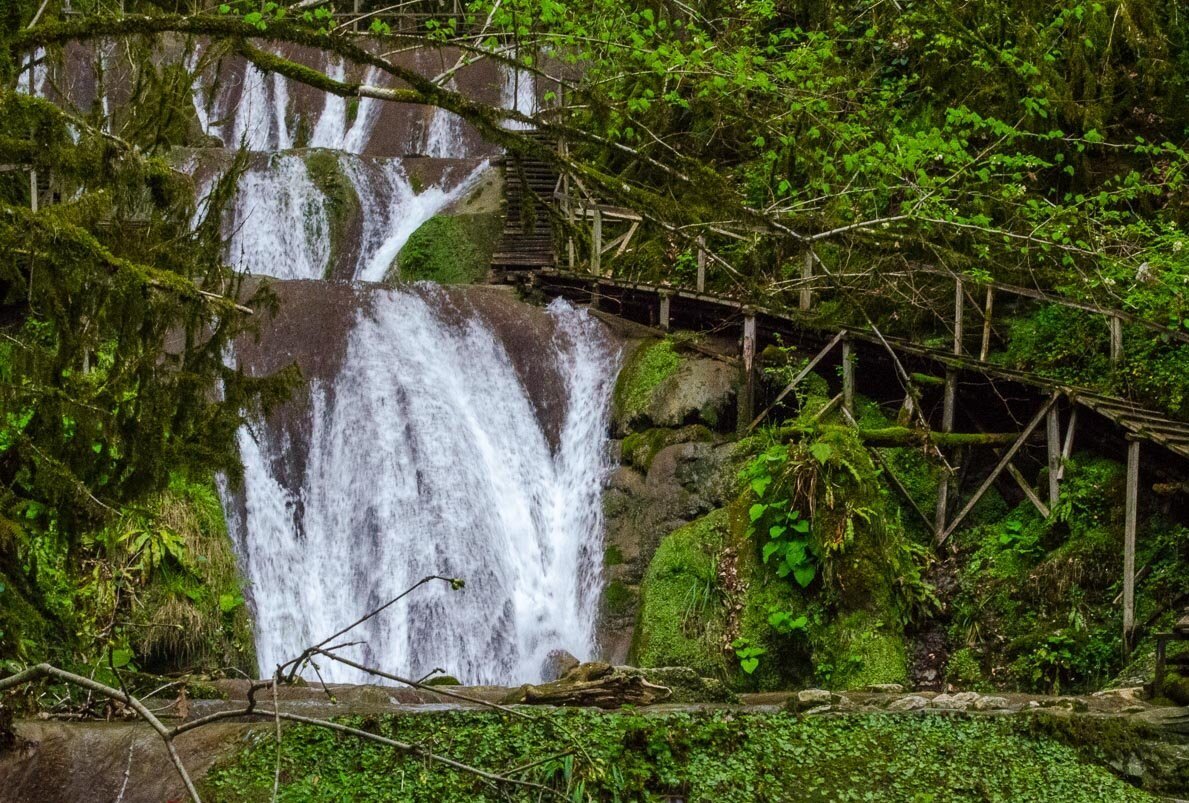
(342, 202)
(647, 367)
(857, 649)
(682, 618)
(686, 685)
(639, 448)
(449, 249)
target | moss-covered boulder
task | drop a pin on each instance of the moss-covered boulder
(682, 620)
(449, 249)
(662, 386)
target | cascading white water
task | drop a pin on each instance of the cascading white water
(280, 226)
(426, 456)
(392, 210)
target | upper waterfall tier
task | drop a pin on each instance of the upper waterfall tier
(455, 433)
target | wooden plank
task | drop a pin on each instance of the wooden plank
(1003, 461)
(804, 372)
(949, 401)
(1053, 445)
(1130, 520)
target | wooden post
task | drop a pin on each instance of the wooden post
(959, 308)
(985, 348)
(747, 400)
(848, 376)
(1116, 324)
(1129, 544)
(664, 313)
(701, 284)
(1067, 449)
(33, 200)
(355, 21)
(807, 281)
(1053, 441)
(949, 402)
(596, 250)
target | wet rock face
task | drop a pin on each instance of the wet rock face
(677, 462)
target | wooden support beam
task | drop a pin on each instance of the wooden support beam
(1130, 521)
(664, 311)
(1040, 506)
(1053, 447)
(33, 199)
(804, 372)
(848, 376)
(959, 309)
(1116, 324)
(949, 401)
(701, 281)
(627, 238)
(807, 281)
(596, 246)
(1067, 448)
(985, 349)
(747, 400)
(1003, 461)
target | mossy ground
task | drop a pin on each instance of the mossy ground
(449, 249)
(725, 757)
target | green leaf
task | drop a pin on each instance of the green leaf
(121, 658)
(756, 511)
(821, 451)
(771, 548)
(759, 485)
(229, 602)
(749, 665)
(804, 574)
(776, 530)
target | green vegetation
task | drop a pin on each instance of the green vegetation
(681, 612)
(723, 756)
(449, 249)
(649, 365)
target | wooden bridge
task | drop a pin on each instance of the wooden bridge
(942, 387)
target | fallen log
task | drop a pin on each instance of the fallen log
(591, 685)
(905, 436)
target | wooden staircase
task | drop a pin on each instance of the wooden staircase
(527, 239)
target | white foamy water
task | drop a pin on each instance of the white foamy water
(518, 92)
(280, 225)
(426, 456)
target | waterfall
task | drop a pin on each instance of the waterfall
(427, 456)
(392, 210)
(280, 226)
(518, 92)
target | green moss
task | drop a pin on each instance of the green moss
(857, 650)
(963, 670)
(650, 365)
(618, 599)
(681, 620)
(342, 203)
(639, 448)
(448, 249)
(722, 756)
(613, 556)
(23, 629)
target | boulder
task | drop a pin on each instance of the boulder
(885, 688)
(990, 703)
(558, 664)
(913, 702)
